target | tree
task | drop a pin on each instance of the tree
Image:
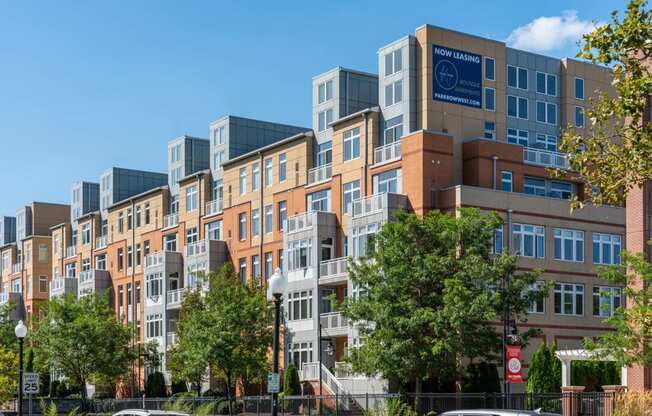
(616, 154)
(226, 328)
(8, 374)
(7, 336)
(430, 291)
(82, 340)
(481, 378)
(291, 381)
(544, 373)
(155, 385)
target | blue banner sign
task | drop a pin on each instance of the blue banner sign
(456, 76)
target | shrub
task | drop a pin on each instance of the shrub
(633, 404)
(179, 386)
(291, 382)
(155, 385)
(393, 407)
(544, 374)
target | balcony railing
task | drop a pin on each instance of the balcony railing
(175, 297)
(300, 222)
(333, 268)
(545, 158)
(309, 371)
(86, 276)
(58, 283)
(15, 268)
(154, 259)
(170, 220)
(333, 321)
(199, 247)
(7, 296)
(101, 242)
(171, 339)
(387, 153)
(368, 205)
(320, 174)
(214, 207)
(71, 251)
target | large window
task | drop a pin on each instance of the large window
(489, 99)
(269, 219)
(269, 172)
(154, 325)
(361, 236)
(489, 68)
(569, 299)
(299, 254)
(534, 186)
(547, 142)
(300, 353)
(517, 107)
(192, 235)
(393, 93)
(243, 181)
(562, 190)
(154, 285)
(325, 91)
(517, 77)
(546, 112)
(497, 241)
(516, 136)
(320, 201)
(390, 181)
(569, 244)
(393, 129)
(506, 182)
(606, 248)
(579, 88)
(325, 118)
(218, 135)
(282, 167)
(352, 144)
(255, 177)
(351, 192)
(191, 198)
(529, 240)
(393, 62)
(606, 300)
(86, 234)
(324, 153)
(546, 84)
(255, 267)
(255, 222)
(282, 214)
(213, 230)
(170, 242)
(538, 306)
(300, 305)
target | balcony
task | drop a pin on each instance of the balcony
(13, 296)
(154, 259)
(16, 268)
(171, 220)
(71, 251)
(387, 153)
(333, 271)
(333, 324)
(93, 281)
(60, 286)
(300, 222)
(320, 174)
(214, 207)
(385, 203)
(197, 248)
(101, 242)
(174, 298)
(546, 158)
(171, 339)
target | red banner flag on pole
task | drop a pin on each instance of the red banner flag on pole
(514, 366)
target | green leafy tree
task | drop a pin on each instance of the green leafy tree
(481, 378)
(82, 340)
(7, 325)
(614, 155)
(155, 385)
(291, 381)
(8, 374)
(431, 289)
(544, 372)
(226, 329)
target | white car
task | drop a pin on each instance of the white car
(144, 412)
(497, 412)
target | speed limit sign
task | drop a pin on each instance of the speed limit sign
(30, 383)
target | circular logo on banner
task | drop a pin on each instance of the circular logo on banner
(514, 365)
(446, 75)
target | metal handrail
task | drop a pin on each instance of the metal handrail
(320, 173)
(387, 152)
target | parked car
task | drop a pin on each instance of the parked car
(144, 412)
(498, 412)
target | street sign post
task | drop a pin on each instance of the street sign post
(273, 383)
(31, 386)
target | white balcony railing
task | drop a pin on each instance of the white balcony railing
(300, 222)
(214, 207)
(545, 158)
(199, 247)
(170, 220)
(71, 251)
(368, 205)
(172, 339)
(15, 268)
(320, 174)
(333, 321)
(309, 371)
(175, 297)
(57, 284)
(387, 153)
(154, 259)
(101, 242)
(86, 276)
(333, 268)
(4, 298)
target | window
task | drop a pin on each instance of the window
(299, 254)
(517, 107)
(300, 353)
(534, 186)
(515, 136)
(569, 299)
(242, 226)
(528, 240)
(320, 201)
(569, 244)
(490, 130)
(579, 117)
(606, 300)
(280, 258)
(86, 234)
(393, 93)
(255, 222)
(269, 220)
(489, 99)
(547, 142)
(282, 167)
(218, 135)
(147, 218)
(43, 284)
(146, 248)
(517, 77)
(191, 198)
(42, 253)
(506, 183)
(243, 181)
(352, 144)
(324, 91)
(269, 173)
(243, 269)
(390, 181)
(5, 261)
(170, 242)
(489, 68)
(324, 153)
(393, 129)
(282, 214)
(154, 285)
(15, 285)
(120, 222)
(324, 119)
(255, 267)
(130, 219)
(361, 236)
(606, 248)
(130, 256)
(100, 262)
(561, 190)
(351, 192)
(255, 177)
(538, 306)
(86, 264)
(268, 265)
(213, 230)
(120, 259)
(579, 88)
(300, 305)
(154, 325)
(497, 241)
(546, 84)
(138, 212)
(218, 159)
(393, 62)
(192, 235)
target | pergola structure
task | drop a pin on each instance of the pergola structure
(567, 356)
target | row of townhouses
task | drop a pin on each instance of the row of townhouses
(450, 120)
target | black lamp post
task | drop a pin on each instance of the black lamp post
(275, 294)
(21, 332)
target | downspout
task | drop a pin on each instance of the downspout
(494, 160)
(262, 219)
(133, 279)
(366, 156)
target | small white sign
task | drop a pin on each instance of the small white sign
(31, 383)
(273, 382)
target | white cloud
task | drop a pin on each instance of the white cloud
(550, 33)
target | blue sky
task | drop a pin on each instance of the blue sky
(89, 85)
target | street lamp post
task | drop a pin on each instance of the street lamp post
(21, 332)
(275, 294)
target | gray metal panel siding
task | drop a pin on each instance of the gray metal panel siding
(90, 197)
(7, 230)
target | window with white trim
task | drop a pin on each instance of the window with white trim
(300, 305)
(269, 219)
(213, 230)
(497, 241)
(269, 172)
(393, 130)
(300, 353)
(528, 240)
(324, 119)
(154, 284)
(490, 99)
(547, 142)
(506, 182)
(546, 112)
(255, 266)
(393, 93)
(242, 226)
(319, 201)
(546, 84)
(86, 234)
(255, 177)
(325, 91)
(516, 136)
(534, 186)
(569, 244)
(299, 254)
(393, 62)
(606, 248)
(191, 198)
(255, 222)
(389, 181)
(490, 130)
(218, 136)
(538, 306)
(569, 299)
(579, 88)
(282, 167)
(243, 181)
(352, 144)
(154, 325)
(606, 300)
(350, 192)
(517, 77)
(579, 117)
(489, 68)
(517, 107)
(361, 236)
